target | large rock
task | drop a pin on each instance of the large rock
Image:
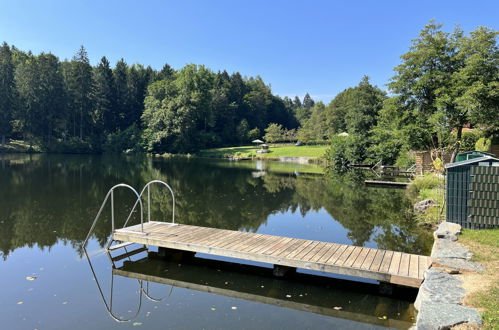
(421, 207)
(440, 315)
(439, 287)
(445, 248)
(458, 264)
(447, 230)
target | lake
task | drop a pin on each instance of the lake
(48, 203)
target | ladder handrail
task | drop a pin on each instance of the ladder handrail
(110, 193)
(147, 186)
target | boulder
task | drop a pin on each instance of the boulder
(440, 315)
(421, 207)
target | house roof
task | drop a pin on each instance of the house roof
(472, 161)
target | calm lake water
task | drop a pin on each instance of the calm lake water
(48, 203)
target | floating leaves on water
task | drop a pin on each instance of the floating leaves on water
(338, 308)
(20, 302)
(31, 278)
(288, 296)
(136, 324)
(64, 302)
(233, 307)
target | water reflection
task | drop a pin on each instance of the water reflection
(46, 198)
(325, 296)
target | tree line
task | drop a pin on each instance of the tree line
(447, 81)
(72, 106)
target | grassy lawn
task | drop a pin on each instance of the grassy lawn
(484, 288)
(429, 186)
(17, 146)
(276, 150)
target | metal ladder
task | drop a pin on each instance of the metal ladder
(110, 247)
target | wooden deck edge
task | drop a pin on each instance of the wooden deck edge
(361, 273)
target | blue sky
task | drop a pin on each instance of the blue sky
(320, 47)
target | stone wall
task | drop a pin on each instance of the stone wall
(424, 161)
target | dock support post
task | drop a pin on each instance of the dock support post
(175, 254)
(386, 288)
(281, 271)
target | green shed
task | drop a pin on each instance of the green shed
(472, 192)
(471, 154)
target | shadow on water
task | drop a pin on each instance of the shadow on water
(335, 298)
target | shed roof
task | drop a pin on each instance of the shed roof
(472, 161)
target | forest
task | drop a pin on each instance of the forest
(444, 95)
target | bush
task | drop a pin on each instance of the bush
(336, 154)
(429, 181)
(72, 145)
(483, 144)
(405, 159)
(129, 139)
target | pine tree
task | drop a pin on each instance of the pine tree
(7, 91)
(104, 114)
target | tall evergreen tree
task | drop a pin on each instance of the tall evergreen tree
(79, 85)
(120, 74)
(7, 91)
(104, 114)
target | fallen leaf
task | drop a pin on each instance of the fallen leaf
(338, 308)
(135, 324)
(20, 302)
(31, 278)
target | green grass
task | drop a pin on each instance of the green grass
(276, 150)
(429, 186)
(485, 247)
(15, 146)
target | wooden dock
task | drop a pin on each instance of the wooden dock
(388, 184)
(381, 265)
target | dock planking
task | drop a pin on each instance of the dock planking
(376, 264)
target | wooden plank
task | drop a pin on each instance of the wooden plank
(353, 256)
(212, 239)
(404, 265)
(291, 246)
(299, 249)
(360, 259)
(239, 242)
(385, 263)
(344, 256)
(377, 260)
(413, 266)
(278, 244)
(369, 259)
(313, 252)
(321, 253)
(264, 241)
(329, 253)
(336, 255)
(224, 240)
(395, 263)
(306, 250)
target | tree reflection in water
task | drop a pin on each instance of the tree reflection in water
(49, 198)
